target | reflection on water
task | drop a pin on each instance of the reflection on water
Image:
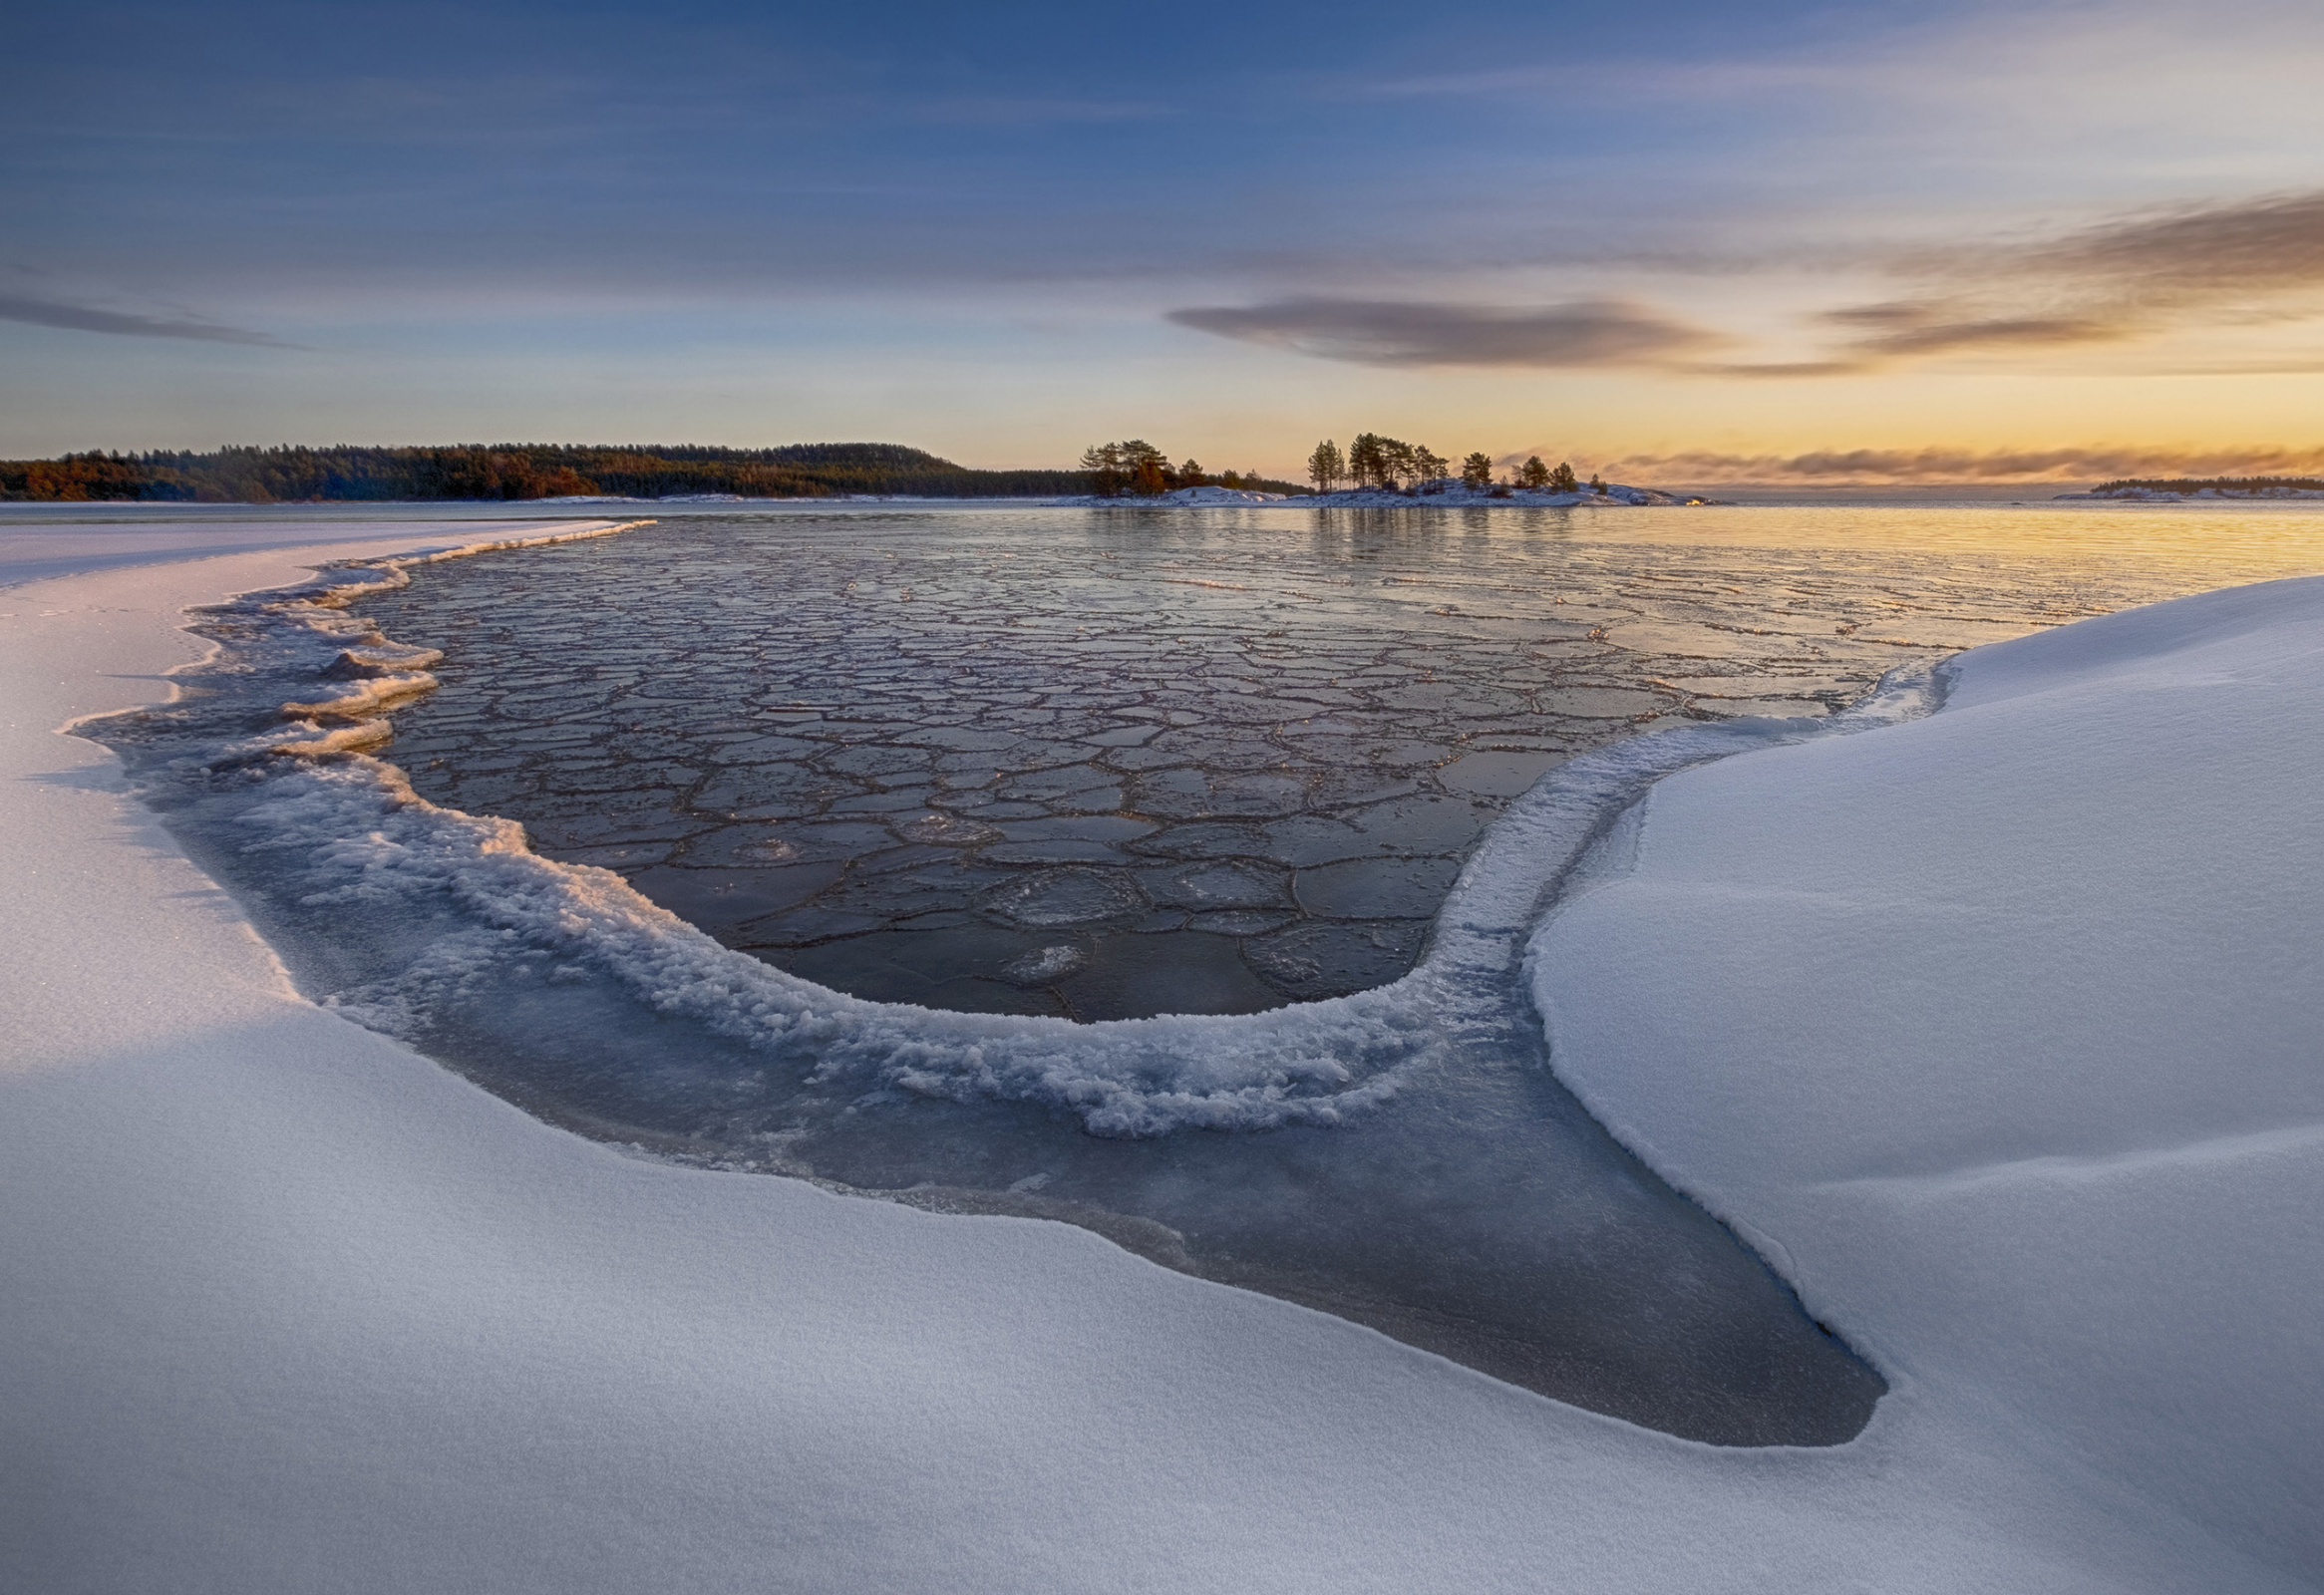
(1117, 763)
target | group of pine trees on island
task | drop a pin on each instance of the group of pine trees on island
(1391, 464)
(1136, 468)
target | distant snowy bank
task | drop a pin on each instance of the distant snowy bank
(2266, 493)
(820, 500)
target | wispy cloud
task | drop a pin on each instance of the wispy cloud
(1401, 332)
(2247, 261)
(1875, 467)
(88, 318)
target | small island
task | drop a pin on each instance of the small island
(1375, 472)
(2188, 490)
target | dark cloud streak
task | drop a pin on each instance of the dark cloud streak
(84, 318)
(2268, 243)
(1934, 334)
(1782, 369)
(1383, 332)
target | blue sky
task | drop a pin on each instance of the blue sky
(1675, 232)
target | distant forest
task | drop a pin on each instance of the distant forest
(2241, 487)
(519, 470)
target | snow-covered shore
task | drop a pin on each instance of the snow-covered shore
(293, 1309)
(2275, 493)
(2007, 1028)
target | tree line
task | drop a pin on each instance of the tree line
(1137, 469)
(248, 474)
(288, 475)
(2246, 486)
(1394, 465)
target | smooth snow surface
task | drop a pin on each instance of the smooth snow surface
(291, 1309)
(2008, 1029)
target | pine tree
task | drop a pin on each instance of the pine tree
(1596, 485)
(1533, 476)
(1146, 468)
(1104, 464)
(1400, 463)
(1368, 460)
(1477, 473)
(1325, 467)
(1561, 479)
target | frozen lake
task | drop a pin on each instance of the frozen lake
(1112, 764)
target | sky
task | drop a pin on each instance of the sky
(1676, 240)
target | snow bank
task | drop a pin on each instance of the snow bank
(2006, 1026)
(291, 1309)
(1220, 495)
(1184, 497)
